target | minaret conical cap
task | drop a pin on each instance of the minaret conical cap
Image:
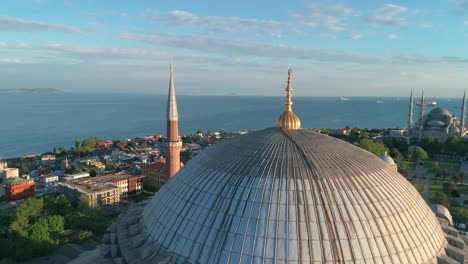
(172, 103)
(288, 120)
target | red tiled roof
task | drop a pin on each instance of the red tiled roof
(159, 166)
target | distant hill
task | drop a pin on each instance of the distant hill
(31, 90)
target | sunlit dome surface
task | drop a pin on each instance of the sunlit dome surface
(277, 196)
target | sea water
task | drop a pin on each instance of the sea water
(35, 123)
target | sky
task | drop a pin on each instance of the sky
(347, 48)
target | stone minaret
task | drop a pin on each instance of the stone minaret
(421, 117)
(410, 114)
(65, 164)
(173, 144)
(462, 117)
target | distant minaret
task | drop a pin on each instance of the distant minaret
(421, 117)
(410, 114)
(65, 164)
(173, 144)
(462, 117)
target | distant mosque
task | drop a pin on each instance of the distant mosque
(439, 122)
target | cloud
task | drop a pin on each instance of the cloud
(388, 15)
(85, 52)
(234, 47)
(10, 60)
(326, 17)
(18, 24)
(392, 36)
(425, 59)
(173, 18)
(425, 25)
(462, 3)
(355, 36)
(218, 24)
(111, 55)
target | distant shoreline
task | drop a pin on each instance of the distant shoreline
(31, 90)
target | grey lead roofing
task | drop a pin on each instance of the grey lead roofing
(290, 196)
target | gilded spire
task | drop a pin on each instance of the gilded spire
(288, 120)
(288, 102)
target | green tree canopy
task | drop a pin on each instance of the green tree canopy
(432, 144)
(420, 154)
(372, 146)
(443, 199)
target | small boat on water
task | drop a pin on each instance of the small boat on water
(431, 103)
(380, 102)
(345, 99)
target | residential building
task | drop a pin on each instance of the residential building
(3, 165)
(341, 131)
(396, 132)
(95, 195)
(128, 184)
(47, 184)
(9, 173)
(104, 144)
(156, 174)
(18, 189)
(94, 163)
(76, 176)
(47, 159)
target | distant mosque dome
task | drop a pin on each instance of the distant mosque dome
(281, 195)
(439, 112)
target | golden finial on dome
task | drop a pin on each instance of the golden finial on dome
(288, 120)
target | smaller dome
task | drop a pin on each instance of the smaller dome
(442, 212)
(440, 112)
(434, 122)
(387, 159)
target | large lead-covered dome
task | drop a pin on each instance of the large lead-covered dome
(289, 196)
(280, 195)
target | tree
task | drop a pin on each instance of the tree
(371, 146)
(461, 177)
(93, 172)
(56, 224)
(90, 143)
(432, 144)
(436, 167)
(144, 144)
(443, 199)
(77, 143)
(454, 144)
(397, 156)
(23, 170)
(420, 154)
(459, 214)
(62, 152)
